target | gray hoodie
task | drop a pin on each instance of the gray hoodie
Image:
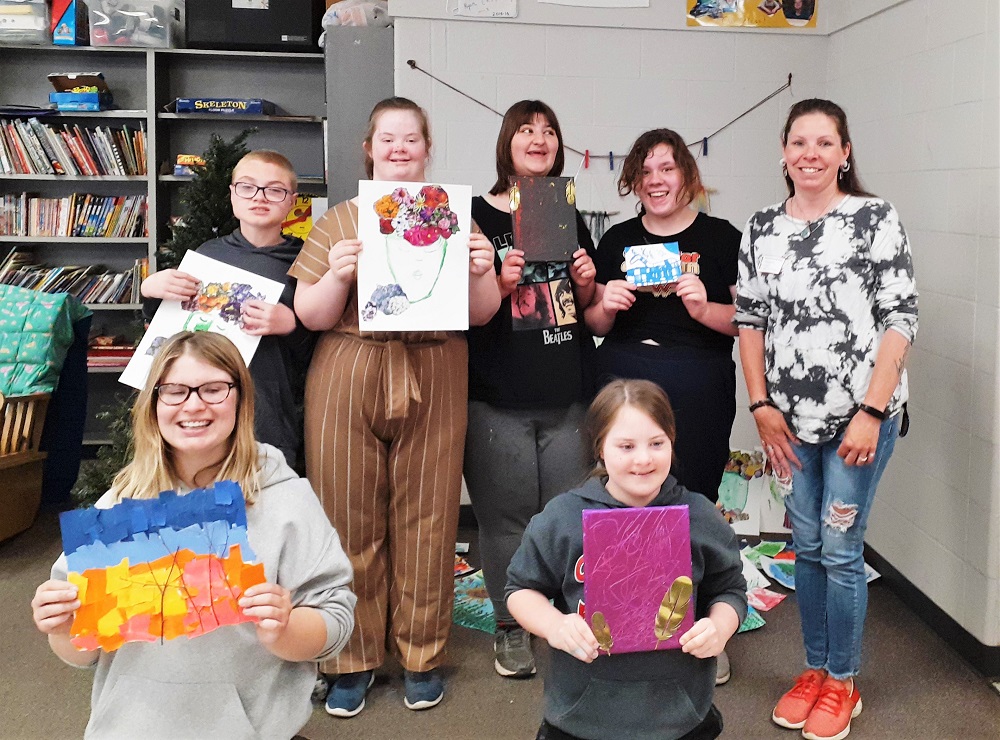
(640, 696)
(226, 684)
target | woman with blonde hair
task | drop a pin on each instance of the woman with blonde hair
(193, 427)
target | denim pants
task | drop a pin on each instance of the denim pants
(828, 508)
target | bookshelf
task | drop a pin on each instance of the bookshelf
(143, 82)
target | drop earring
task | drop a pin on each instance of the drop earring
(784, 167)
(844, 169)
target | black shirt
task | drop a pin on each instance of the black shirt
(534, 351)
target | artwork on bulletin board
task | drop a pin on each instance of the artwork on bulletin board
(637, 577)
(413, 271)
(156, 569)
(218, 307)
(753, 13)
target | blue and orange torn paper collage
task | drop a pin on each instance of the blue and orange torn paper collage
(156, 569)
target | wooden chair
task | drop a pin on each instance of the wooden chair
(21, 419)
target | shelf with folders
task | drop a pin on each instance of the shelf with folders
(30, 147)
(92, 285)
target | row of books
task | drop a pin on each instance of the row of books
(30, 147)
(79, 214)
(89, 283)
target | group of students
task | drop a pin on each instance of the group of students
(359, 558)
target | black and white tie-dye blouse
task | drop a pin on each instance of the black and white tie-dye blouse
(824, 293)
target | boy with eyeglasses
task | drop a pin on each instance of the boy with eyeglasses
(262, 192)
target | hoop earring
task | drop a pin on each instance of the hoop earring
(845, 167)
(784, 167)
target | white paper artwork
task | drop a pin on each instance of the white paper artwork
(217, 307)
(413, 270)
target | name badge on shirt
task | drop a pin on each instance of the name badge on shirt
(770, 264)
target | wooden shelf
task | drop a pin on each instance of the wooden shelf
(143, 240)
(114, 306)
(222, 54)
(77, 178)
(259, 118)
(189, 178)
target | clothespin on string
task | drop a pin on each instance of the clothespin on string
(586, 159)
(611, 160)
(704, 146)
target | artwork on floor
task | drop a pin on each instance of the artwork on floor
(157, 569)
(473, 607)
(750, 496)
(753, 13)
(544, 214)
(413, 271)
(218, 307)
(637, 584)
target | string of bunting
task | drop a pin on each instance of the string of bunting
(702, 143)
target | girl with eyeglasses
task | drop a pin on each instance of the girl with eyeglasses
(193, 426)
(262, 193)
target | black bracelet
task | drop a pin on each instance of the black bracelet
(761, 404)
(872, 411)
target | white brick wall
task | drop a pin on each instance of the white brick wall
(920, 85)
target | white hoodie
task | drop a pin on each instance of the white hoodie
(226, 684)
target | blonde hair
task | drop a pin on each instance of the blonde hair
(152, 469)
(268, 156)
(642, 395)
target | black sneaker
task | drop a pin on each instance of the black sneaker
(347, 697)
(513, 656)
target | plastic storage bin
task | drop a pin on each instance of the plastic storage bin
(24, 22)
(158, 23)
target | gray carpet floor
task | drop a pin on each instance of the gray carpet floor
(913, 684)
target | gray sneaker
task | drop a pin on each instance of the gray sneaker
(514, 658)
(723, 672)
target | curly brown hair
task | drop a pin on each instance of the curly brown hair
(631, 176)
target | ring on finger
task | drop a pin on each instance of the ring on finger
(863, 458)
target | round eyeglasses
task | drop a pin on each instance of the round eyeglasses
(174, 394)
(272, 193)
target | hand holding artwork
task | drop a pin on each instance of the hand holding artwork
(619, 295)
(571, 634)
(271, 606)
(264, 319)
(511, 271)
(343, 259)
(860, 440)
(582, 271)
(53, 606)
(170, 285)
(691, 291)
(480, 254)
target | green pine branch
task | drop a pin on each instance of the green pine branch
(208, 211)
(96, 475)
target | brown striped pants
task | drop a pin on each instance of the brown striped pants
(385, 433)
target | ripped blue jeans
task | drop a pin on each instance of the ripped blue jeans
(828, 509)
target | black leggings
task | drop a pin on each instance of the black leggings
(701, 385)
(710, 728)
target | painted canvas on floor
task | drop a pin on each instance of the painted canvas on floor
(637, 577)
(544, 214)
(157, 569)
(217, 307)
(413, 270)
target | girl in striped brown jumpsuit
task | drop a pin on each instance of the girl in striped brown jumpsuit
(385, 422)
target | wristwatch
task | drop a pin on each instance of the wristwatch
(872, 411)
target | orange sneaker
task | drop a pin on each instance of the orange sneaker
(793, 708)
(831, 718)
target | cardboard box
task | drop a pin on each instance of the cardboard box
(80, 91)
(69, 25)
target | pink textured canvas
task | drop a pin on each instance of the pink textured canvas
(637, 577)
